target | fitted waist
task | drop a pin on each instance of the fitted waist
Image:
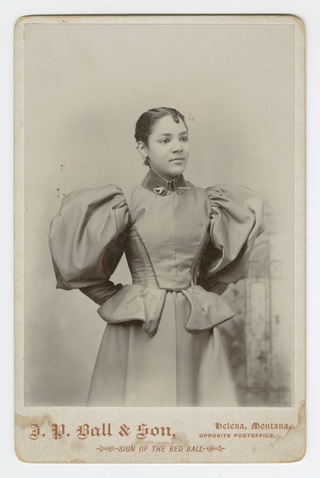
(166, 268)
(168, 289)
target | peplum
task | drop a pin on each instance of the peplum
(184, 245)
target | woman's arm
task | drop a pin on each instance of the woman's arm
(87, 240)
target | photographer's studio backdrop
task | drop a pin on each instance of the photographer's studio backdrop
(85, 87)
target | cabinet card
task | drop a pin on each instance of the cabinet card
(201, 333)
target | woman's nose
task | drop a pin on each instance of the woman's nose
(177, 145)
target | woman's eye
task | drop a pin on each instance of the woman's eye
(164, 141)
(184, 139)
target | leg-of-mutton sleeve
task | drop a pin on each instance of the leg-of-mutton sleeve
(87, 240)
(235, 223)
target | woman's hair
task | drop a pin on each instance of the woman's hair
(147, 120)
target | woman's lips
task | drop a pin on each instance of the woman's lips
(177, 159)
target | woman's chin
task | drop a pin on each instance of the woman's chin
(177, 168)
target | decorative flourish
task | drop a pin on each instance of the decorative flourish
(181, 189)
(160, 190)
(215, 448)
(106, 448)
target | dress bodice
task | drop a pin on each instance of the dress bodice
(166, 235)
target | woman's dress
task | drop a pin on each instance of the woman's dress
(183, 245)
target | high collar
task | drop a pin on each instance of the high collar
(161, 186)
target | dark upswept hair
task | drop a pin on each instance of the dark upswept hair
(147, 120)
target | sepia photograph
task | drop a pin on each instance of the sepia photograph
(160, 218)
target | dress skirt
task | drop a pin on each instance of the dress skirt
(173, 368)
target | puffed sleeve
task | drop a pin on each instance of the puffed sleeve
(235, 223)
(87, 240)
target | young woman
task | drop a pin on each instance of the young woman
(184, 245)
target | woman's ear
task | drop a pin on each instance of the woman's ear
(143, 150)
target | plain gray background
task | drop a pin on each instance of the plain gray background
(85, 87)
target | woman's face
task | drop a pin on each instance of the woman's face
(168, 148)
